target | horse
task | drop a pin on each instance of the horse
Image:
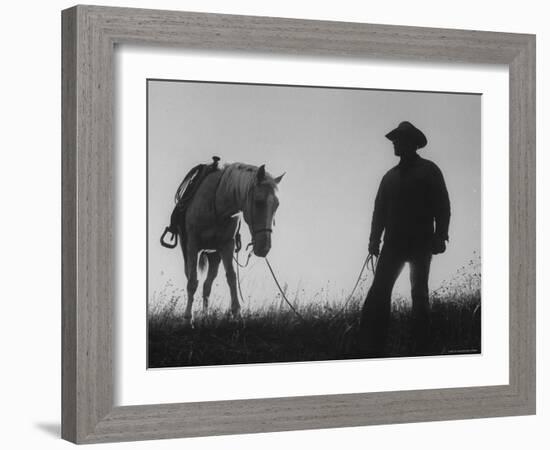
(208, 228)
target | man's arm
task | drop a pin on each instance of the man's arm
(378, 220)
(442, 206)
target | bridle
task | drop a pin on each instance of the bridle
(251, 206)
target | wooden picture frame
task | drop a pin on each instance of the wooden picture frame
(89, 34)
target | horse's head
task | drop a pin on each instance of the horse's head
(260, 211)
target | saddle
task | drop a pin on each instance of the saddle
(184, 194)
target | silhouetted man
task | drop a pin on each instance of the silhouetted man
(411, 199)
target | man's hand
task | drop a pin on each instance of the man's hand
(374, 248)
(438, 245)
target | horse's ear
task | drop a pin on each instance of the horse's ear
(261, 173)
(279, 178)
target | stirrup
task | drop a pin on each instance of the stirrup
(173, 238)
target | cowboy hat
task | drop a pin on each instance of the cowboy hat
(408, 131)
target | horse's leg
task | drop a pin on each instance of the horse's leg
(191, 252)
(227, 259)
(213, 265)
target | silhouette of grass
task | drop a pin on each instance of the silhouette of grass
(274, 333)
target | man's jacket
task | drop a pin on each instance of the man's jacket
(412, 206)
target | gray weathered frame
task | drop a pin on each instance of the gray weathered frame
(89, 34)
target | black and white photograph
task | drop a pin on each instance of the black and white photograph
(308, 223)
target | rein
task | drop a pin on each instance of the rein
(238, 244)
(236, 259)
(371, 260)
(282, 292)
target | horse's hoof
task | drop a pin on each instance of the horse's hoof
(237, 318)
(188, 323)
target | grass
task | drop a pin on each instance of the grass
(328, 332)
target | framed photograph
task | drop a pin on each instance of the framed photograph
(267, 222)
(299, 131)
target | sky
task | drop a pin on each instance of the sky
(330, 143)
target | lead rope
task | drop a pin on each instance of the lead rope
(373, 261)
(281, 291)
(370, 259)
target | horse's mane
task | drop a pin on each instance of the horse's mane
(239, 178)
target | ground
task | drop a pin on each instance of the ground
(326, 330)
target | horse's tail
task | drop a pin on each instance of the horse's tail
(203, 261)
